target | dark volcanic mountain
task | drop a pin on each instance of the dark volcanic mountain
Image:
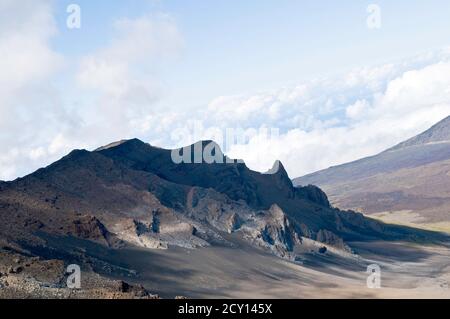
(413, 176)
(110, 209)
(133, 193)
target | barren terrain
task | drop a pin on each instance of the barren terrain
(407, 271)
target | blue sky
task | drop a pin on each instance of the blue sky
(150, 68)
(242, 46)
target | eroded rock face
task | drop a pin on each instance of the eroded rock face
(234, 222)
(329, 238)
(89, 227)
(272, 230)
(278, 231)
(163, 228)
(217, 210)
(314, 194)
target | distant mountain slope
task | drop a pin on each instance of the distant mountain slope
(439, 133)
(412, 176)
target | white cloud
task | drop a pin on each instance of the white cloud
(27, 98)
(124, 72)
(357, 109)
(117, 85)
(123, 78)
(330, 121)
(26, 58)
(400, 108)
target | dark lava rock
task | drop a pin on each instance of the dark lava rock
(122, 286)
(137, 291)
(15, 270)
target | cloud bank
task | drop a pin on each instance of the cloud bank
(330, 121)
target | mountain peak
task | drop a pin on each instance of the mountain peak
(279, 174)
(209, 145)
(277, 168)
(133, 141)
(438, 133)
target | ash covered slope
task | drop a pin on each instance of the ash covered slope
(411, 176)
(131, 193)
